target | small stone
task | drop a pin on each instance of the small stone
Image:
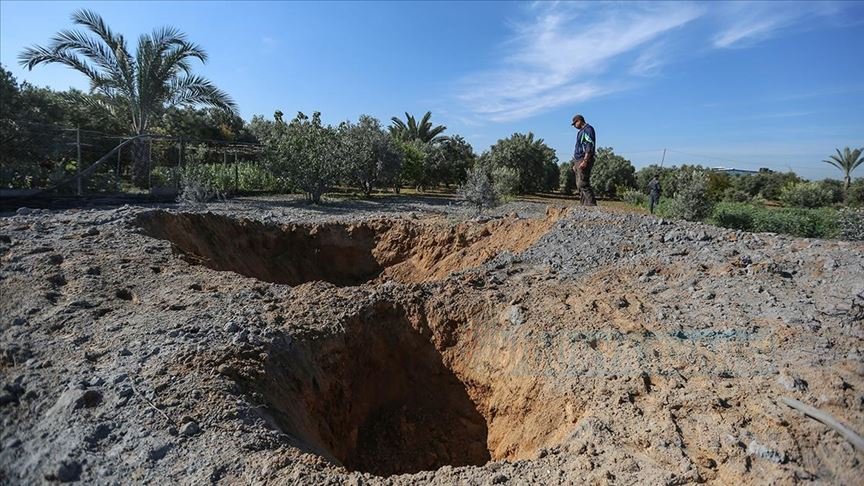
(19, 321)
(91, 231)
(89, 399)
(68, 471)
(124, 352)
(189, 429)
(231, 326)
(25, 211)
(500, 479)
(120, 378)
(758, 450)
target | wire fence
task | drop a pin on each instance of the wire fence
(43, 158)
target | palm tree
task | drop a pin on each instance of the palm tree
(136, 89)
(411, 130)
(846, 161)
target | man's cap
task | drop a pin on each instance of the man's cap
(577, 118)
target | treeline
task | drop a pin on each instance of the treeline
(302, 154)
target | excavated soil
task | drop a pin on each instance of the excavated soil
(538, 346)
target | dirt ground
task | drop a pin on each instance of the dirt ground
(405, 341)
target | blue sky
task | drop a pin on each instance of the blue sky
(740, 84)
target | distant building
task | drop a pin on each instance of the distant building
(731, 171)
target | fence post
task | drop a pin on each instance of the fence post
(150, 164)
(236, 176)
(179, 163)
(117, 172)
(78, 161)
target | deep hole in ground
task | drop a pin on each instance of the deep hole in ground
(343, 254)
(394, 393)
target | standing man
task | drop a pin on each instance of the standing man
(653, 193)
(583, 159)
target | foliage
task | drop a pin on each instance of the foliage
(457, 156)
(835, 188)
(847, 161)
(411, 130)
(664, 174)
(765, 183)
(306, 153)
(370, 155)
(135, 88)
(551, 181)
(196, 187)
(855, 193)
(610, 172)
(528, 157)
(226, 178)
(479, 189)
(851, 224)
(567, 178)
(691, 200)
(806, 195)
(809, 223)
(416, 163)
(634, 197)
(733, 194)
(506, 181)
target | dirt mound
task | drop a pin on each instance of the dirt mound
(586, 347)
(342, 254)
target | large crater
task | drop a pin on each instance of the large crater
(342, 254)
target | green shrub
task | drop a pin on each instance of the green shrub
(567, 178)
(733, 194)
(734, 216)
(809, 223)
(634, 197)
(851, 224)
(506, 181)
(691, 201)
(479, 189)
(835, 188)
(855, 193)
(806, 195)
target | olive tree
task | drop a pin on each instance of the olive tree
(306, 153)
(370, 155)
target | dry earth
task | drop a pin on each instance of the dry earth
(402, 342)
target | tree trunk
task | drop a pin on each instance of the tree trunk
(846, 184)
(141, 163)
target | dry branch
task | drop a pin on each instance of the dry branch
(853, 437)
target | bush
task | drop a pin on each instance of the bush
(809, 223)
(835, 188)
(530, 158)
(855, 193)
(733, 194)
(370, 155)
(567, 178)
(806, 195)
(479, 189)
(306, 153)
(506, 181)
(851, 224)
(691, 201)
(610, 172)
(634, 197)
(196, 187)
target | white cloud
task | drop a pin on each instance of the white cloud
(745, 23)
(559, 57)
